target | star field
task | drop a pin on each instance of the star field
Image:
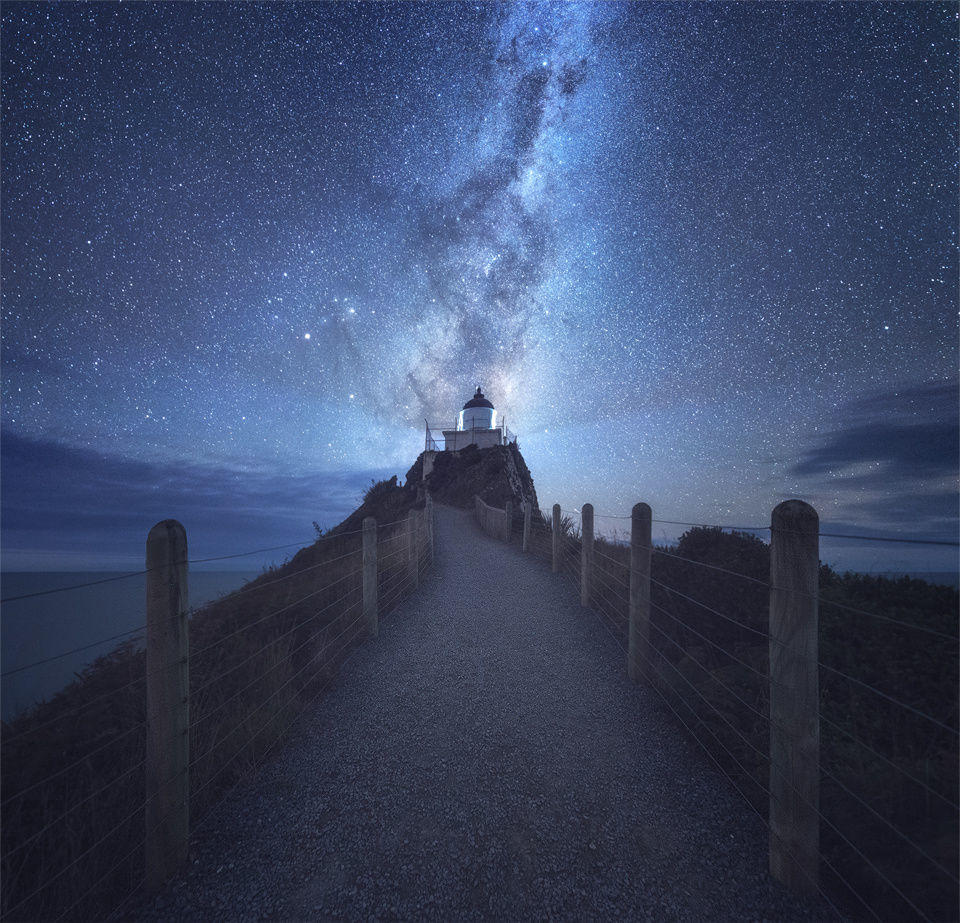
(687, 248)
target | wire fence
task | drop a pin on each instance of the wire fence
(496, 521)
(72, 779)
(888, 713)
(73, 790)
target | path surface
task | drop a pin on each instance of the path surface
(485, 758)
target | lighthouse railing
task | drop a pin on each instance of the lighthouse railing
(431, 442)
(434, 441)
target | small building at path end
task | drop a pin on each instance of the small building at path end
(477, 424)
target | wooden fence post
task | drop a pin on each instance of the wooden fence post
(586, 553)
(508, 521)
(527, 515)
(794, 696)
(167, 810)
(413, 563)
(430, 525)
(370, 576)
(421, 537)
(556, 538)
(638, 646)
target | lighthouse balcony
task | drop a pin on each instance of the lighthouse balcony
(441, 438)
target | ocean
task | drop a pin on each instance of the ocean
(44, 627)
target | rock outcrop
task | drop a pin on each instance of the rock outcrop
(495, 474)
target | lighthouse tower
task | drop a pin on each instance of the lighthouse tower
(477, 424)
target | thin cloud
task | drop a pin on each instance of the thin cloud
(893, 459)
(909, 434)
(69, 499)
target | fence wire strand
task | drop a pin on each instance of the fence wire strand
(51, 824)
(286, 682)
(140, 573)
(55, 775)
(256, 653)
(76, 650)
(925, 786)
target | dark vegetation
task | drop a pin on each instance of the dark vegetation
(387, 501)
(72, 768)
(884, 767)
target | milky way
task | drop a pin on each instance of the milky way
(488, 246)
(683, 247)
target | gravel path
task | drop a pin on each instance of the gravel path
(485, 758)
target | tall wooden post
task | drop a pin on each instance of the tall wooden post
(527, 516)
(586, 553)
(794, 696)
(168, 703)
(370, 615)
(508, 521)
(556, 538)
(413, 562)
(638, 644)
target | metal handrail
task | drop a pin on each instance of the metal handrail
(434, 444)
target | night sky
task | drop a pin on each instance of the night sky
(702, 255)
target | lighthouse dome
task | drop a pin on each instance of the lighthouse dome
(478, 400)
(477, 413)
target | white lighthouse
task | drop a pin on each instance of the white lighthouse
(478, 414)
(477, 424)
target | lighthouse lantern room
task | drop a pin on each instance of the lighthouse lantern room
(477, 413)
